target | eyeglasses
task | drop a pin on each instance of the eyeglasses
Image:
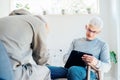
(89, 30)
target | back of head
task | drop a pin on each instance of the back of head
(20, 12)
(25, 12)
(96, 22)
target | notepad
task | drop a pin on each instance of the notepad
(75, 59)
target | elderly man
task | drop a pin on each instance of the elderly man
(89, 44)
(24, 37)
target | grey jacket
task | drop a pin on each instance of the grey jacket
(24, 36)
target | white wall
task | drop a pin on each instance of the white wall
(4, 7)
(65, 28)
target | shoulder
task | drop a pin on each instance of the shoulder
(102, 42)
(77, 40)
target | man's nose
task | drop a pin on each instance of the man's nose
(91, 33)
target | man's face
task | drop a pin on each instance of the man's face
(92, 32)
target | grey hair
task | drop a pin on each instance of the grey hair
(96, 21)
(20, 12)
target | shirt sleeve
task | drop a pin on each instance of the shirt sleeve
(104, 60)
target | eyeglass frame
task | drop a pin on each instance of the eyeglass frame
(89, 30)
